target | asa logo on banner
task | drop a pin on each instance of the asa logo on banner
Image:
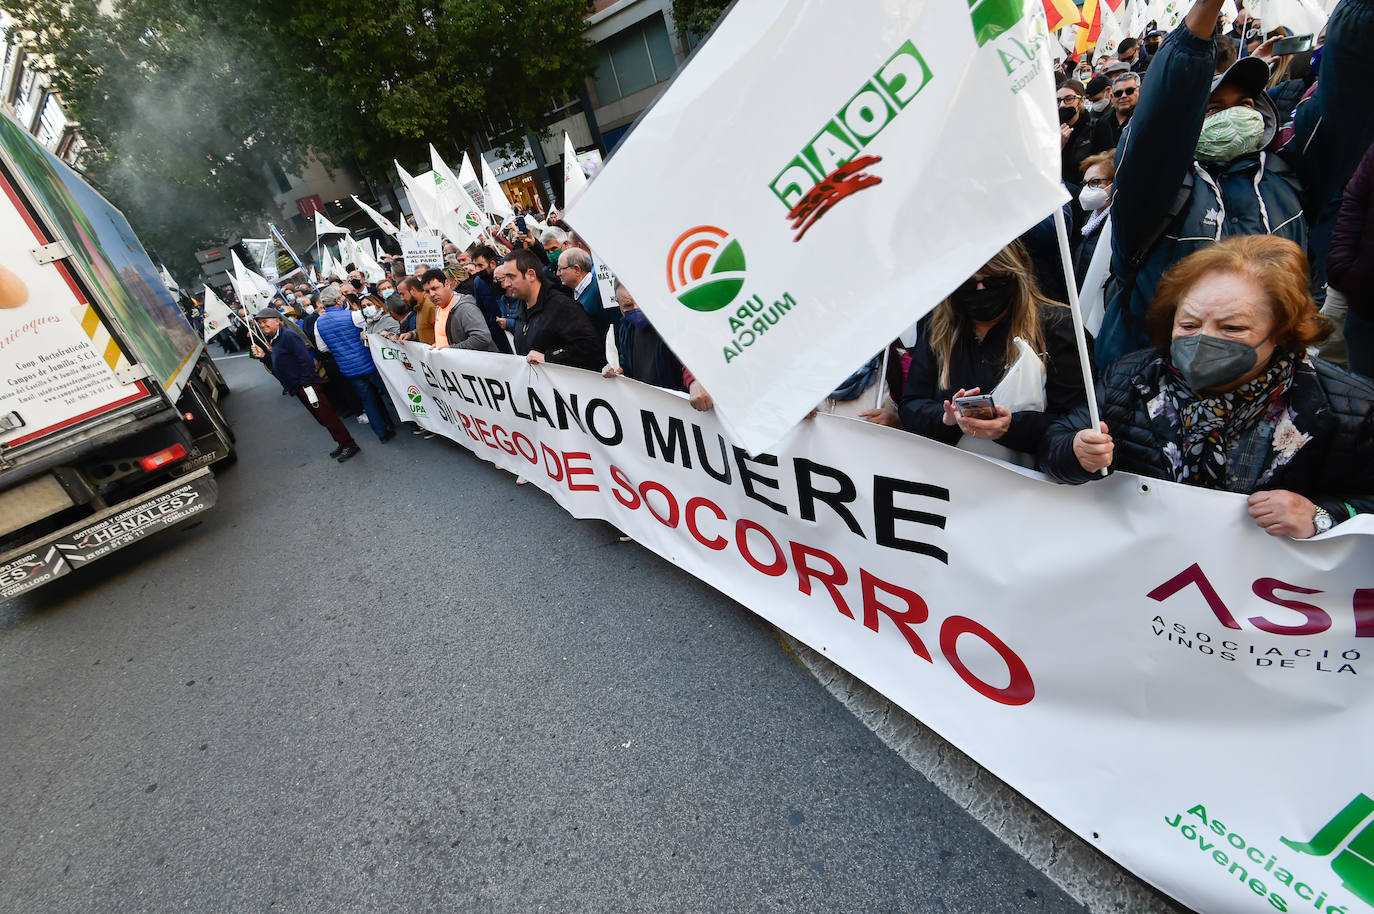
(861, 188)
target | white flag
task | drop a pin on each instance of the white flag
(422, 204)
(911, 158)
(1304, 17)
(253, 291)
(324, 227)
(383, 222)
(1112, 33)
(168, 281)
(216, 314)
(362, 258)
(458, 216)
(467, 176)
(494, 197)
(574, 181)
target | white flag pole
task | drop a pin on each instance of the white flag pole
(882, 378)
(1078, 330)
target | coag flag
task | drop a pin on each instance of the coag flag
(383, 222)
(458, 217)
(167, 280)
(216, 315)
(857, 189)
(361, 257)
(494, 198)
(253, 291)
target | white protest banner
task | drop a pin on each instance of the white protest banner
(494, 198)
(458, 217)
(216, 315)
(914, 156)
(1185, 692)
(383, 222)
(421, 251)
(574, 179)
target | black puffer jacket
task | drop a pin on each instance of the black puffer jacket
(1336, 408)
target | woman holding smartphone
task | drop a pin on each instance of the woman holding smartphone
(966, 344)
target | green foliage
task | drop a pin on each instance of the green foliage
(185, 104)
(697, 17)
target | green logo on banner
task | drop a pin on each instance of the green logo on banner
(706, 268)
(1355, 863)
(993, 17)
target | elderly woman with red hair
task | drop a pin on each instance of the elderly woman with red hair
(1228, 398)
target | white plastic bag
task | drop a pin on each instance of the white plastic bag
(1022, 389)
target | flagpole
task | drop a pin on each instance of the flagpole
(1078, 329)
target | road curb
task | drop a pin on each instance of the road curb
(1086, 874)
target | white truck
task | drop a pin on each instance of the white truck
(109, 402)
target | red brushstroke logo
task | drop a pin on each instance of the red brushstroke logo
(840, 183)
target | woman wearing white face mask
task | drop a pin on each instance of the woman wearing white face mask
(1228, 399)
(1096, 200)
(376, 316)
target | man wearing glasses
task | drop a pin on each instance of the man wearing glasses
(575, 271)
(1079, 136)
(1125, 93)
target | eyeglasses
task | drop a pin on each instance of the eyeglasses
(992, 281)
(1099, 182)
(1068, 99)
(1123, 93)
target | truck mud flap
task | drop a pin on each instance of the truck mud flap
(116, 527)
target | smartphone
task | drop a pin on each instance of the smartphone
(1295, 45)
(520, 224)
(977, 407)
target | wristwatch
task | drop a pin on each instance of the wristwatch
(1322, 520)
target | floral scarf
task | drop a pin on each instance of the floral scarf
(1233, 441)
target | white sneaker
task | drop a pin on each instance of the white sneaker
(362, 420)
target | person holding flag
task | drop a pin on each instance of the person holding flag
(293, 365)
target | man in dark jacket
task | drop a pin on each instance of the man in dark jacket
(551, 326)
(1079, 135)
(294, 367)
(487, 291)
(1350, 266)
(1183, 182)
(643, 354)
(576, 270)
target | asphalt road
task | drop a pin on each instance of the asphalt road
(405, 684)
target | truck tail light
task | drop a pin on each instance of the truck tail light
(162, 457)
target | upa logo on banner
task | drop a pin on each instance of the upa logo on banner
(416, 399)
(706, 272)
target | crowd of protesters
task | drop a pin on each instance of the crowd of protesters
(1222, 197)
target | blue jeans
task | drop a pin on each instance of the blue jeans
(375, 399)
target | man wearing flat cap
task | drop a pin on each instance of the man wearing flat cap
(294, 367)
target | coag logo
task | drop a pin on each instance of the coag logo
(706, 268)
(1355, 862)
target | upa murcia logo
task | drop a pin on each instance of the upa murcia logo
(415, 397)
(472, 220)
(706, 271)
(705, 268)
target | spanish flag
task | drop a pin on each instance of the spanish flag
(1061, 14)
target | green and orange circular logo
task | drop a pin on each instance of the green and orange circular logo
(706, 268)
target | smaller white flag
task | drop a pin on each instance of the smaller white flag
(167, 280)
(495, 199)
(216, 314)
(362, 258)
(1112, 33)
(254, 291)
(422, 203)
(383, 222)
(573, 178)
(324, 227)
(467, 176)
